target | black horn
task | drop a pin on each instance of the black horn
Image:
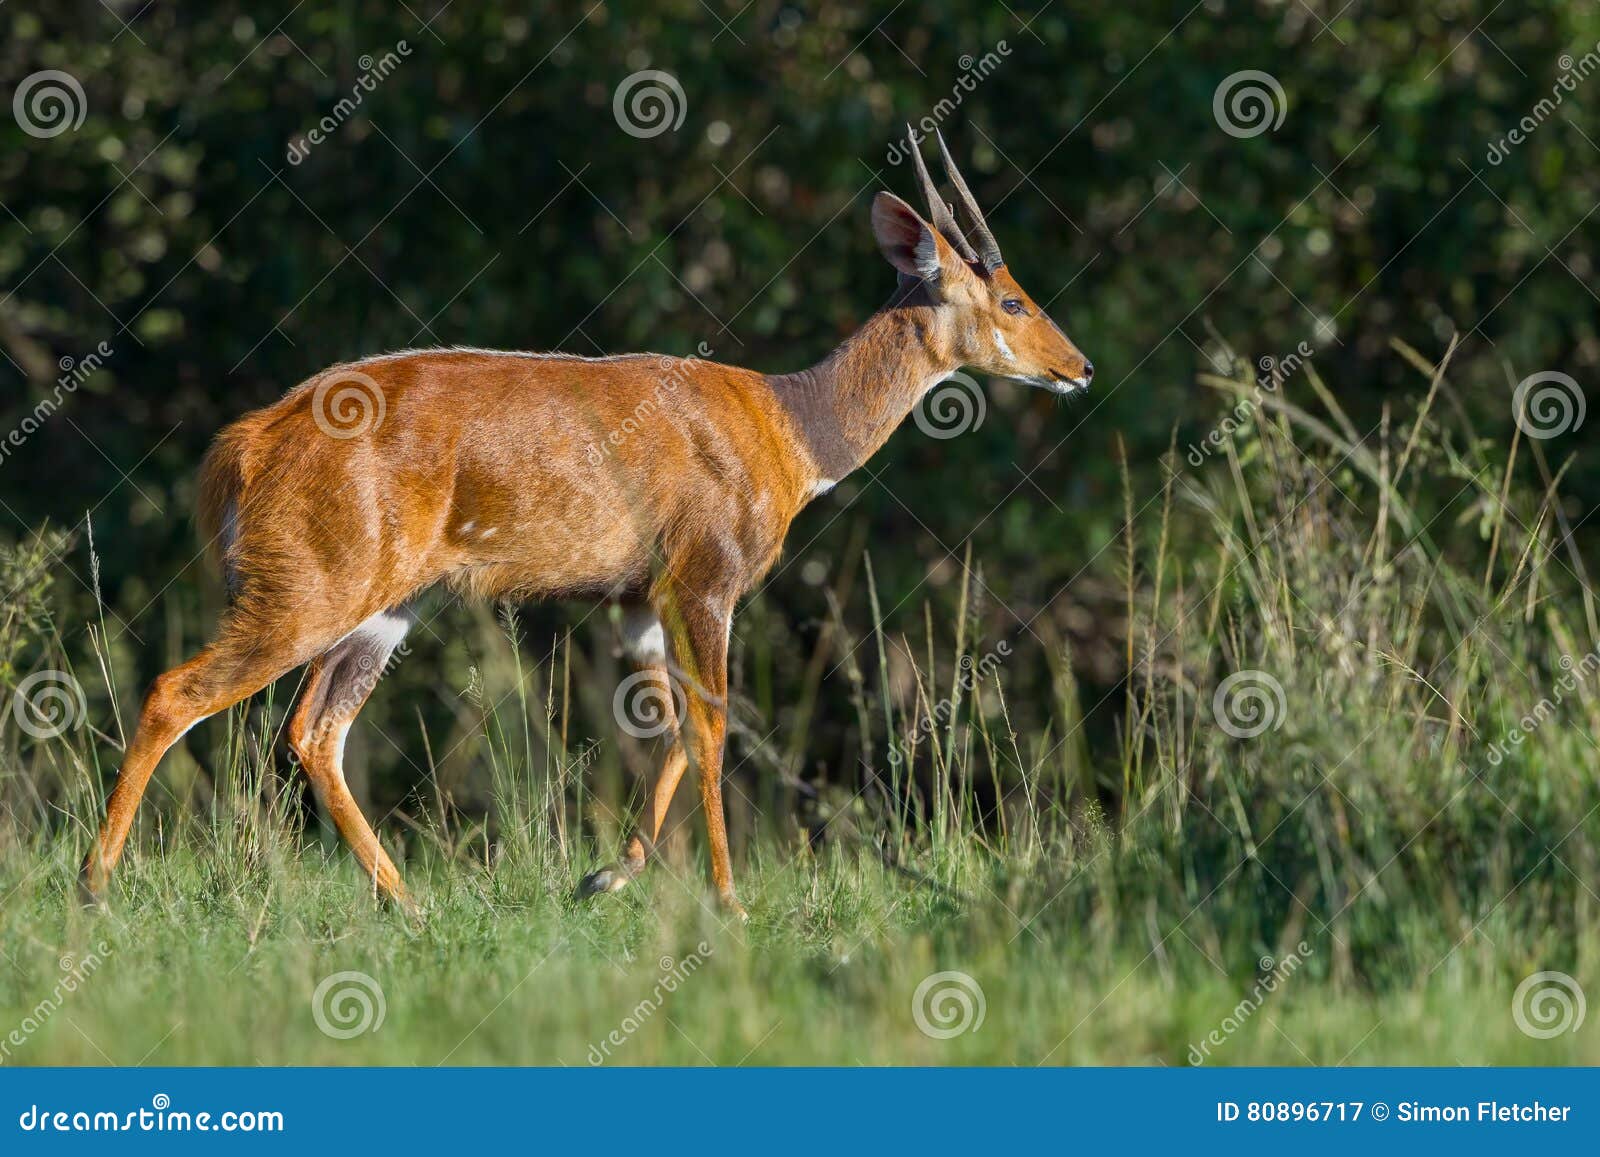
(943, 219)
(988, 248)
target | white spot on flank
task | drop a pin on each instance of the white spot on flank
(1005, 350)
(488, 532)
(466, 527)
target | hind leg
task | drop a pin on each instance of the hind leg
(236, 665)
(340, 683)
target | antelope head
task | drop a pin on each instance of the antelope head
(989, 321)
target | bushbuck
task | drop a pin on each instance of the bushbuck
(526, 475)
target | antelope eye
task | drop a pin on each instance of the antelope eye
(1014, 306)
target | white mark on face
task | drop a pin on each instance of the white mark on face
(1000, 344)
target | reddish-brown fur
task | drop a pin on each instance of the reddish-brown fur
(666, 484)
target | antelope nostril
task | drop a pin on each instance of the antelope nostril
(1088, 371)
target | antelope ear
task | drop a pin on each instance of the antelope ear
(908, 242)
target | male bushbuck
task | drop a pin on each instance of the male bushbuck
(478, 469)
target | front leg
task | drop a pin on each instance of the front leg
(653, 693)
(698, 629)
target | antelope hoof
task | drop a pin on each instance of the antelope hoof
(403, 903)
(92, 879)
(611, 878)
(89, 895)
(731, 905)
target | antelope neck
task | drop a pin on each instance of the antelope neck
(848, 404)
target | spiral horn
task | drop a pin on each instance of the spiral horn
(988, 248)
(943, 219)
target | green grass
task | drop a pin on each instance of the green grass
(1115, 909)
(205, 967)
